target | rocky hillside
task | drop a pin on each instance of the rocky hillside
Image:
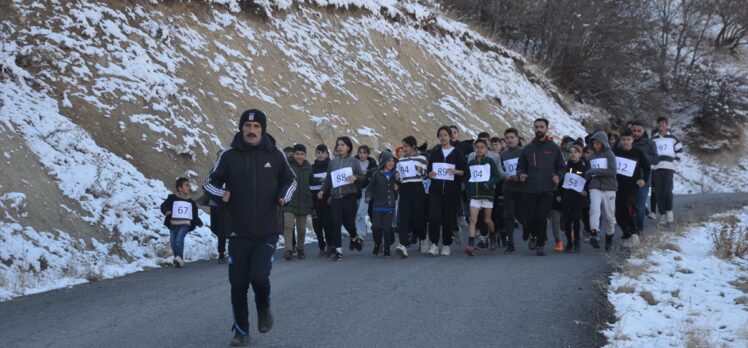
(105, 103)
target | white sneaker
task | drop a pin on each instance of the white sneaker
(424, 246)
(634, 241)
(401, 251)
(627, 242)
(652, 215)
(433, 250)
(446, 250)
(181, 261)
(669, 215)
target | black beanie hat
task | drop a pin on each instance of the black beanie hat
(254, 115)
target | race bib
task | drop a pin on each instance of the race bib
(181, 210)
(441, 171)
(406, 169)
(665, 147)
(480, 173)
(340, 177)
(625, 166)
(510, 166)
(599, 163)
(574, 182)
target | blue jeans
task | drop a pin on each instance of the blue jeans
(177, 239)
(641, 207)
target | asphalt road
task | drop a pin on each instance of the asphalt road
(491, 300)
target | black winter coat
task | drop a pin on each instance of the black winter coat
(256, 177)
(167, 205)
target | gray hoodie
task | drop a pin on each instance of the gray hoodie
(603, 179)
(348, 189)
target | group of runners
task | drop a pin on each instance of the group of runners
(485, 188)
(424, 196)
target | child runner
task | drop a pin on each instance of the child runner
(481, 178)
(603, 187)
(321, 218)
(296, 211)
(411, 203)
(342, 174)
(180, 217)
(381, 194)
(633, 172)
(446, 167)
(573, 201)
(512, 186)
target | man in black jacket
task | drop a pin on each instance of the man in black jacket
(540, 168)
(258, 181)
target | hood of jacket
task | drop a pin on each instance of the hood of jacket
(384, 157)
(602, 138)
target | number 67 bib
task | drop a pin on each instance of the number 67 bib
(181, 210)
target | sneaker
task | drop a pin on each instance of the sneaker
(239, 340)
(264, 319)
(221, 258)
(627, 243)
(539, 250)
(424, 246)
(446, 250)
(352, 245)
(608, 242)
(469, 251)
(559, 246)
(634, 241)
(533, 243)
(433, 250)
(337, 256)
(568, 247)
(482, 245)
(669, 216)
(176, 262)
(386, 252)
(594, 242)
(652, 215)
(509, 249)
(181, 261)
(377, 249)
(300, 254)
(401, 251)
(359, 243)
(288, 255)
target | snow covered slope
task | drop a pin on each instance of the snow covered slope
(105, 103)
(115, 101)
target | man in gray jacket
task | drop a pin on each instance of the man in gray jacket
(649, 148)
(603, 186)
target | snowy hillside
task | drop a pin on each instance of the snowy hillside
(105, 103)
